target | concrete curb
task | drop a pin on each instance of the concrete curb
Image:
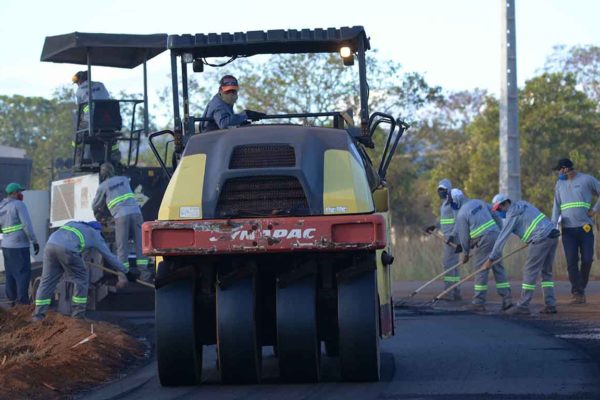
(123, 387)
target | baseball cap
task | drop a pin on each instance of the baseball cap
(14, 187)
(497, 200)
(563, 163)
(228, 82)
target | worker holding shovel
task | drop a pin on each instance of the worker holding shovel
(446, 226)
(477, 229)
(535, 229)
(63, 254)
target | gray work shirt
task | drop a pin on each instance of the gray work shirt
(474, 219)
(99, 92)
(77, 236)
(525, 221)
(222, 114)
(17, 230)
(573, 199)
(116, 193)
(447, 213)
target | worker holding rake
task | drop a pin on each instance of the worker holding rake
(446, 225)
(535, 229)
(476, 229)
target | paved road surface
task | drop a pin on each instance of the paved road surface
(435, 354)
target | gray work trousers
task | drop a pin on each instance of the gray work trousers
(450, 259)
(540, 259)
(482, 251)
(130, 227)
(58, 260)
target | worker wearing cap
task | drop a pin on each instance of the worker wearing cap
(476, 228)
(115, 194)
(220, 109)
(17, 237)
(446, 225)
(535, 229)
(63, 253)
(573, 208)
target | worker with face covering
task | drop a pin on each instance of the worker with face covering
(115, 193)
(535, 229)
(220, 109)
(63, 254)
(476, 229)
(574, 207)
(446, 225)
(18, 236)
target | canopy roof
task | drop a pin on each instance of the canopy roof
(106, 49)
(269, 42)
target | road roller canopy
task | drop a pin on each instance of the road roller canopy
(103, 49)
(276, 41)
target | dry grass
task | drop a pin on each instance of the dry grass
(419, 257)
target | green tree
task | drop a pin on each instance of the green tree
(581, 61)
(556, 120)
(42, 127)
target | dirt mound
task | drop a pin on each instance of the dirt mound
(45, 360)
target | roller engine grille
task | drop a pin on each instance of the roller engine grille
(262, 156)
(262, 195)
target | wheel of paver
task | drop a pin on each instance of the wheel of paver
(297, 341)
(237, 337)
(178, 352)
(359, 328)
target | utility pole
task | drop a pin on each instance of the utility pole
(510, 164)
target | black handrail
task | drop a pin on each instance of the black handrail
(153, 147)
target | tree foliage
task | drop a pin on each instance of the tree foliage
(42, 127)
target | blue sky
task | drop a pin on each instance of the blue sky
(455, 44)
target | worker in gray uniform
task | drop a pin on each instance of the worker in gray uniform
(535, 229)
(115, 193)
(573, 196)
(219, 110)
(63, 253)
(446, 225)
(476, 228)
(17, 237)
(99, 91)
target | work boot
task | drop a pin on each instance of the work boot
(506, 304)
(37, 318)
(548, 310)
(474, 307)
(518, 311)
(578, 299)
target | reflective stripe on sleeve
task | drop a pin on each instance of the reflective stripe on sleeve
(77, 233)
(531, 227)
(14, 228)
(482, 228)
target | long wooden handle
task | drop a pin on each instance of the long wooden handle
(463, 280)
(444, 272)
(110, 271)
